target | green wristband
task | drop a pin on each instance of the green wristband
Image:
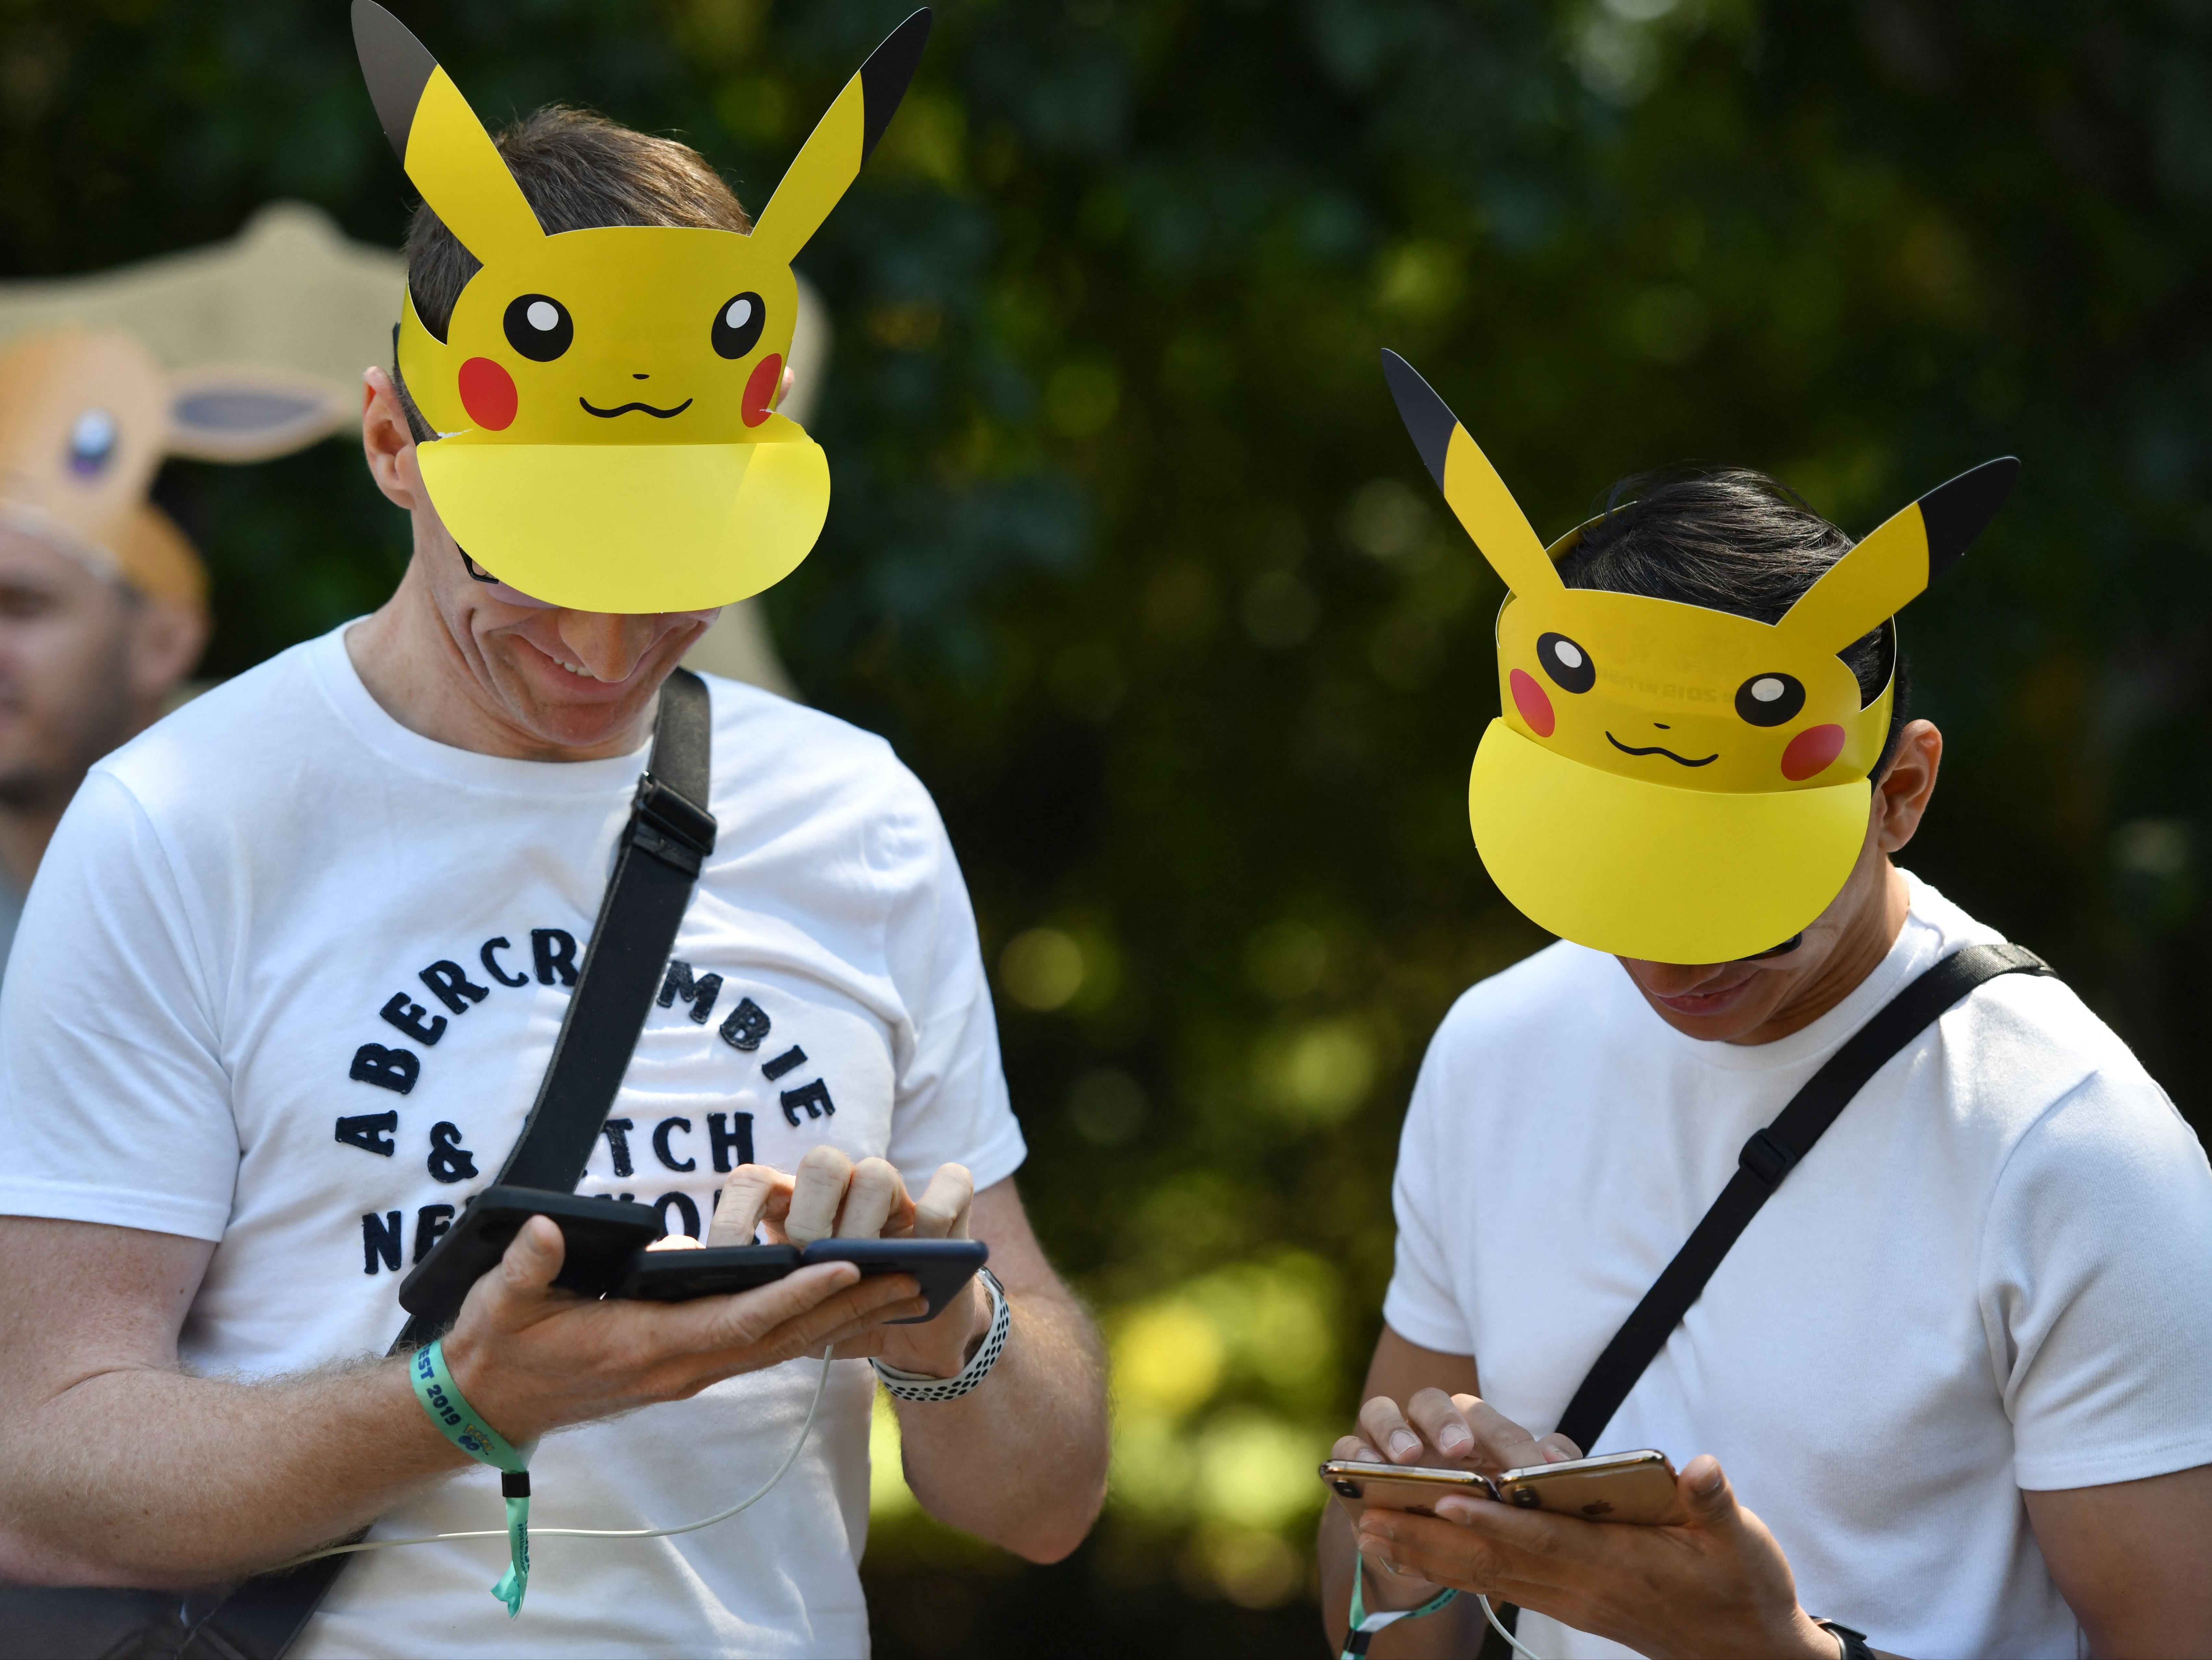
(465, 1428)
(1363, 1625)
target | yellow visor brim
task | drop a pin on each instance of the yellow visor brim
(632, 528)
(1647, 870)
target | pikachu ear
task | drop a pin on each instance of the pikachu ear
(1471, 485)
(1897, 561)
(830, 159)
(444, 148)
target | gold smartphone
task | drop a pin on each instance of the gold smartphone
(1401, 1486)
(1616, 1487)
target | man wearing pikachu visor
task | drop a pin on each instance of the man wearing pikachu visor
(299, 956)
(1955, 1362)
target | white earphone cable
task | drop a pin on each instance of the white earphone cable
(821, 1384)
(1498, 1625)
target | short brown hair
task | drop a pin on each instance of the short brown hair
(578, 171)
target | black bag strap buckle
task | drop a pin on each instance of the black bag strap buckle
(1768, 1157)
(670, 826)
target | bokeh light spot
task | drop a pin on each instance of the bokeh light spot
(1042, 969)
(1168, 1357)
(1319, 1074)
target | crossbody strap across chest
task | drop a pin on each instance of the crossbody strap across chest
(670, 834)
(1763, 1164)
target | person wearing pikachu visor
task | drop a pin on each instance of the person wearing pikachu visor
(1954, 1362)
(302, 954)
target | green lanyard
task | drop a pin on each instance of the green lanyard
(465, 1428)
(1364, 1625)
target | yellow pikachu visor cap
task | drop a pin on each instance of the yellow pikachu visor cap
(604, 398)
(1670, 782)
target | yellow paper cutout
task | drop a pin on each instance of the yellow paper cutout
(1666, 781)
(603, 398)
(1642, 869)
(452, 162)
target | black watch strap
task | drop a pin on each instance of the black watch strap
(1854, 1642)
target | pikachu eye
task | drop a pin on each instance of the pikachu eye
(737, 326)
(1567, 663)
(1770, 699)
(539, 327)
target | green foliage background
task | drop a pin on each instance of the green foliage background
(1131, 559)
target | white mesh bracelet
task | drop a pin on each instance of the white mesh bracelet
(920, 1386)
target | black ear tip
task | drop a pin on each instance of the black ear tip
(397, 66)
(1428, 419)
(884, 77)
(1956, 512)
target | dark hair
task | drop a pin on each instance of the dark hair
(578, 171)
(1732, 540)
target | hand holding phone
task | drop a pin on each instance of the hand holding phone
(1615, 1486)
(830, 1206)
(597, 1237)
(941, 1267)
(605, 1255)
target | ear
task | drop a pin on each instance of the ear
(444, 148)
(1896, 561)
(238, 413)
(830, 159)
(1471, 485)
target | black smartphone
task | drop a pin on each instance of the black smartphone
(601, 1235)
(942, 1266)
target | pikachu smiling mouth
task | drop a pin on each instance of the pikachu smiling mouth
(642, 408)
(1656, 749)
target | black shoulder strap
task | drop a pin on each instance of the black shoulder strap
(1766, 1159)
(1770, 1156)
(656, 861)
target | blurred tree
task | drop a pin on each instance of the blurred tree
(1130, 557)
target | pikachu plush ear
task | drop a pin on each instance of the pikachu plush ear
(830, 159)
(1471, 485)
(444, 148)
(1896, 561)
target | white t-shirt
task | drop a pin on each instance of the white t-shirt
(288, 981)
(1990, 1275)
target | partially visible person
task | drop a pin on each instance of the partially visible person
(87, 661)
(220, 354)
(103, 603)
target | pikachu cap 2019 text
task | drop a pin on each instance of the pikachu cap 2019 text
(1666, 781)
(603, 398)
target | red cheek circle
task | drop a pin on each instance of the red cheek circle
(1528, 698)
(487, 394)
(1811, 751)
(760, 388)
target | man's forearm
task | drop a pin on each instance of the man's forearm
(138, 1476)
(1020, 1462)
